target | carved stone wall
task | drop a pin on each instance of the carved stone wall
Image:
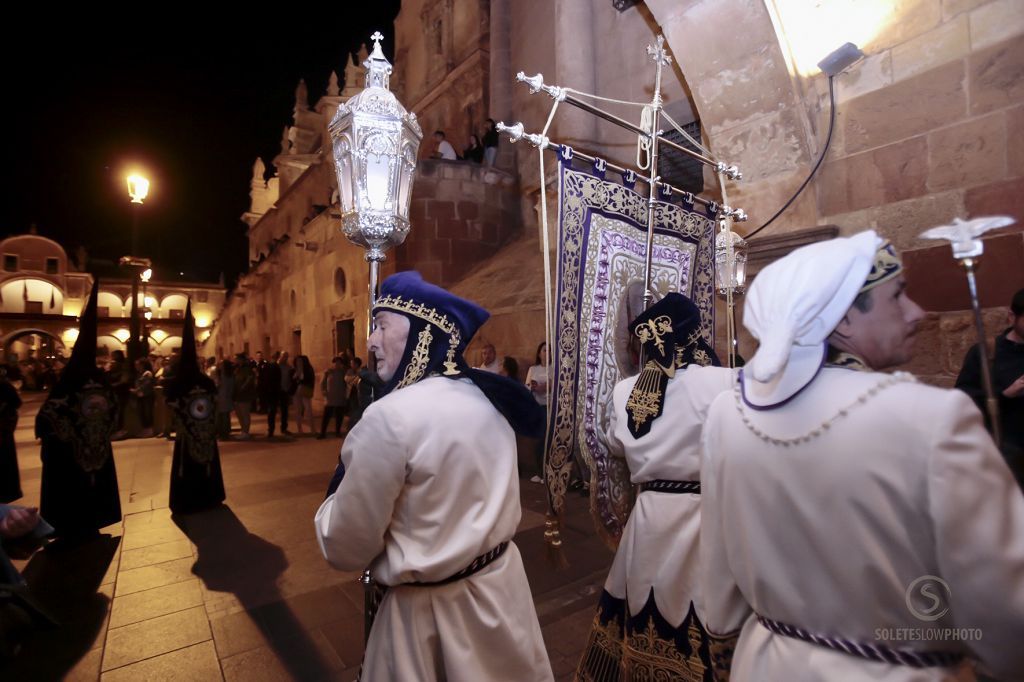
(461, 215)
(442, 52)
(927, 126)
(293, 297)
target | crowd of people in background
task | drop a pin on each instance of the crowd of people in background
(283, 387)
(479, 150)
(34, 374)
(536, 381)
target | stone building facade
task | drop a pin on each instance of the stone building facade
(442, 60)
(42, 294)
(306, 290)
(927, 129)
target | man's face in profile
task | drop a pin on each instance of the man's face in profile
(387, 342)
(883, 335)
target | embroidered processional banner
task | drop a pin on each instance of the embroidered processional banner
(602, 237)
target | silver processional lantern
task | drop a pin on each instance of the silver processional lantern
(375, 144)
(730, 262)
(730, 279)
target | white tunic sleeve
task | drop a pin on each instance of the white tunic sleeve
(725, 608)
(978, 515)
(351, 523)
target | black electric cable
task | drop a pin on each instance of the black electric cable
(828, 140)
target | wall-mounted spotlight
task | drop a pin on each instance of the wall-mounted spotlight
(840, 59)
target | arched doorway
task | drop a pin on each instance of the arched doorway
(27, 343)
(34, 357)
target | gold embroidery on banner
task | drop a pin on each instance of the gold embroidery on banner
(418, 362)
(647, 656)
(617, 652)
(582, 193)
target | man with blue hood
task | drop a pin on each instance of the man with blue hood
(429, 500)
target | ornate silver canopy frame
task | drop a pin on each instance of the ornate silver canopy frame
(650, 137)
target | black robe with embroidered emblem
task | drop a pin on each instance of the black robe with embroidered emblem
(79, 482)
(10, 478)
(196, 479)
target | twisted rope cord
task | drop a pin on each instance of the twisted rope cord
(548, 306)
(606, 99)
(873, 652)
(686, 136)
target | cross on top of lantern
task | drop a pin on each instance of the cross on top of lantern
(375, 143)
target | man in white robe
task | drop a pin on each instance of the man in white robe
(649, 623)
(857, 525)
(429, 502)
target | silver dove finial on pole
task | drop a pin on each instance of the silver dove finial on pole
(964, 236)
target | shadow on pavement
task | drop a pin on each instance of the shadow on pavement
(65, 582)
(231, 559)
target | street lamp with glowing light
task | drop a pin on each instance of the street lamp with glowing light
(138, 188)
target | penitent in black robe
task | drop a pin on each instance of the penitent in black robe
(79, 487)
(10, 478)
(196, 480)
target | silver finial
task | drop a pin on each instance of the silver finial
(963, 235)
(515, 132)
(378, 68)
(534, 82)
(658, 54)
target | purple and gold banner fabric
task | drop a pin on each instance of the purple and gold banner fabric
(602, 237)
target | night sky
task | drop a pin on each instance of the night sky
(192, 100)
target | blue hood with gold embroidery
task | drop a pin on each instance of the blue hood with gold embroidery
(441, 325)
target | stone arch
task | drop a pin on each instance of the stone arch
(168, 344)
(38, 289)
(7, 339)
(114, 304)
(750, 105)
(108, 343)
(175, 301)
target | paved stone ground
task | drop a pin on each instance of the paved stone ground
(241, 592)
